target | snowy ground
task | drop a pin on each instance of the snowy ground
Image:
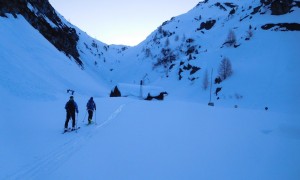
(136, 139)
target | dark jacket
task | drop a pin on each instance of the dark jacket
(71, 106)
(91, 105)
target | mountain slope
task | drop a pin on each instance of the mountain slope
(44, 50)
(183, 51)
(30, 70)
(42, 16)
(67, 38)
(264, 60)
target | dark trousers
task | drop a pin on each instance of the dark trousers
(90, 114)
(70, 115)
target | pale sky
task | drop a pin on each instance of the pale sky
(126, 22)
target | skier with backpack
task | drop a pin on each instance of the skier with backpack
(90, 106)
(71, 107)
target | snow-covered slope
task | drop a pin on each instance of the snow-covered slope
(136, 139)
(264, 62)
(31, 67)
(184, 51)
(89, 54)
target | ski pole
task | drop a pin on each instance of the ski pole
(95, 117)
(84, 116)
(76, 122)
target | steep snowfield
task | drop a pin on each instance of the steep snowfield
(178, 138)
(31, 66)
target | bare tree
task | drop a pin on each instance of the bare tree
(205, 82)
(249, 34)
(231, 39)
(176, 38)
(148, 52)
(166, 58)
(167, 43)
(225, 68)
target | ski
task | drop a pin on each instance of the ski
(92, 122)
(70, 130)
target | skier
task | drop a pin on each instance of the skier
(90, 107)
(71, 107)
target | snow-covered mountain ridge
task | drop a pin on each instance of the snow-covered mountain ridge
(43, 17)
(186, 48)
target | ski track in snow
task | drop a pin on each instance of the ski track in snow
(53, 160)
